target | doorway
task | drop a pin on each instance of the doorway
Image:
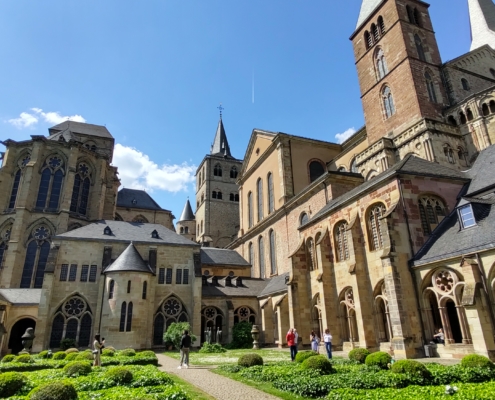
(19, 328)
(455, 326)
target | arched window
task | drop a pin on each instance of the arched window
(181, 229)
(375, 32)
(375, 230)
(273, 260)
(140, 219)
(316, 169)
(262, 256)
(465, 84)
(244, 313)
(80, 191)
(469, 114)
(462, 118)
(233, 172)
(432, 211)
(419, 47)
(217, 170)
(451, 120)
(15, 189)
(111, 288)
(171, 310)
(341, 241)
(342, 169)
(52, 176)
(36, 257)
(128, 286)
(368, 39)
(381, 64)
(492, 106)
(199, 180)
(417, 17)
(216, 195)
(310, 254)
(128, 325)
(430, 87)
(186, 230)
(449, 153)
(250, 209)
(303, 219)
(388, 102)
(259, 196)
(381, 25)
(410, 14)
(462, 155)
(202, 197)
(123, 313)
(271, 200)
(201, 226)
(251, 257)
(485, 110)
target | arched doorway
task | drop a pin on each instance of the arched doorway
(316, 325)
(348, 316)
(382, 316)
(455, 326)
(212, 321)
(19, 328)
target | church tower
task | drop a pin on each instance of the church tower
(482, 19)
(217, 194)
(398, 65)
(186, 226)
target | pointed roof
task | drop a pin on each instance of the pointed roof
(81, 128)
(129, 261)
(367, 8)
(482, 20)
(135, 198)
(187, 213)
(220, 145)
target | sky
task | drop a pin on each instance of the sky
(155, 71)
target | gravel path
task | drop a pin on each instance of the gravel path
(217, 386)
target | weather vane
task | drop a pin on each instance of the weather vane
(221, 109)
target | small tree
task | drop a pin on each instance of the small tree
(175, 331)
(241, 336)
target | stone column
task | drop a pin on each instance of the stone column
(447, 330)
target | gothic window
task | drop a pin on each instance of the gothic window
(140, 219)
(310, 254)
(80, 191)
(410, 14)
(244, 314)
(123, 313)
(449, 153)
(469, 114)
(381, 25)
(161, 276)
(64, 272)
(462, 118)
(465, 84)
(341, 241)
(368, 39)
(485, 110)
(261, 256)
(168, 276)
(374, 226)
(431, 211)
(217, 170)
(178, 276)
(417, 17)
(233, 172)
(271, 200)
(73, 273)
(36, 257)
(212, 322)
(171, 310)
(303, 219)
(52, 176)
(316, 169)
(430, 87)
(158, 330)
(185, 277)
(17, 180)
(111, 288)
(375, 32)
(381, 63)
(419, 47)
(462, 155)
(259, 198)
(250, 209)
(128, 325)
(219, 195)
(84, 273)
(92, 273)
(451, 120)
(118, 217)
(273, 260)
(388, 102)
(492, 106)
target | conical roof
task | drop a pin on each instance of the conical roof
(220, 144)
(482, 20)
(187, 213)
(129, 261)
(367, 8)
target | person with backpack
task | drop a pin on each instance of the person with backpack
(185, 344)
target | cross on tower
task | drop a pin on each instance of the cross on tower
(221, 109)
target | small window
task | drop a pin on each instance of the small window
(84, 273)
(154, 234)
(451, 120)
(233, 173)
(492, 106)
(128, 286)
(250, 209)
(316, 169)
(145, 290)
(217, 170)
(178, 276)
(465, 84)
(376, 33)
(430, 86)
(73, 273)
(417, 17)
(381, 64)
(161, 276)
(467, 216)
(107, 231)
(214, 194)
(92, 273)
(181, 230)
(123, 311)
(168, 277)
(354, 167)
(128, 326)
(186, 230)
(185, 277)
(271, 201)
(111, 287)
(219, 195)
(469, 113)
(64, 271)
(259, 195)
(303, 219)
(375, 229)
(462, 118)
(368, 39)
(388, 102)
(449, 153)
(485, 110)
(341, 241)
(381, 25)
(310, 255)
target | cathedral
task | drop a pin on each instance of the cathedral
(383, 239)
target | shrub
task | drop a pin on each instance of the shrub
(379, 359)
(108, 352)
(71, 356)
(250, 360)
(24, 358)
(67, 343)
(411, 367)
(359, 355)
(77, 368)
(146, 353)
(84, 356)
(108, 348)
(54, 391)
(45, 354)
(8, 358)
(174, 333)
(119, 375)
(71, 350)
(320, 363)
(59, 355)
(128, 353)
(241, 336)
(212, 348)
(303, 355)
(10, 383)
(475, 360)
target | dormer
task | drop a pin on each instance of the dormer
(107, 231)
(154, 235)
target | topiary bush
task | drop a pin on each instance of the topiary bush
(174, 333)
(71, 350)
(212, 348)
(359, 355)
(319, 363)
(475, 360)
(303, 355)
(411, 367)
(85, 356)
(67, 343)
(147, 353)
(11, 383)
(71, 356)
(24, 358)
(379, 359)
(108, 352)
(119, 375)
(54, 391)
(77, 368)
(127, 353)
(250, 360)
(241, 336)
(59, 355)
(45, 354)
(109, 348)
(8, 358)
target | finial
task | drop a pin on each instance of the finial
(221, 109)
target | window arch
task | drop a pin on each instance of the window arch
(244, 313)
(271, 200)
(36, 257)
(259, 198)
(410, 14)
(128, 325)
(485, 110)
(140, 219)
(388, 102)
(250, 209)
(469, 114)
(303, 219)
(181, 229)
(52, 176)
(381, 63)
(375, 32)
(417, 17)
(368, 39)
(24, 160)
(341, 241)
(492, 106)
(374, 226)
(449, 153)
(80, 190)
(462, 118)
(233, 172)
(217, 194)
(316, 169)
(234, 197)
(199, 178)
(419, 47)
(273, 259)
(381, 25)
(430, 86)
(310, 254)
(217, 170)
(451, 120)
(261, 253)
(171, 310)
(432, 211)
(465, 84)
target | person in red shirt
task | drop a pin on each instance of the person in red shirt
(291, 342)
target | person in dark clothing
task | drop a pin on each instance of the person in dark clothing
(185, 344)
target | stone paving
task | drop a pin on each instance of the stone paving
(217, 386)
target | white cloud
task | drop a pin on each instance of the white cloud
(25, 120)
(137, 171)
(342, 137)
(29, 119)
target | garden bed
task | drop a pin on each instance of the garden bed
(231, 356)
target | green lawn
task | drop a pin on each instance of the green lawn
(232, 356)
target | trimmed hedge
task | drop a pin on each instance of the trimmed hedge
(77, 368)
(24, 358)
(359, 355)
(319, 363)
(45, 354)
(71, 356)
(71, 350)
(85, 356)
(250, 360)
(120, 375)
(379, 359)
(127, 353)
(303, 355)
(54, 391)
(11, 383)
(59, 355)
(475, 360)
(411, 367)
(108, 352)
(8, 358)
(212, 348)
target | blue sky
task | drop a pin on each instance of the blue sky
(154, 72)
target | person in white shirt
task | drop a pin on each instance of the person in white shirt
(327, 338)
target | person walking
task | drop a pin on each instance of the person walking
(97, 346)
(327, 339)
(296, 338)
(291, 342)
(314, 339)
(185, 344)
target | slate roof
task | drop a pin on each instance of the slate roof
(220, 145)
(212, 256)
(129, 260)
(484, 163)
(251, 287)
(133, 198)
(21, 297)
(127, 232)
(275, 285)
(367, 8)
(81, 128)
(187, 213)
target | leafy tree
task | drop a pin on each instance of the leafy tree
(241, 336)
(175, 331)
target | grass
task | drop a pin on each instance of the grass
(232, 356)
(191, 390)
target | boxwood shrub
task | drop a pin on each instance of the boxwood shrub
(71, 356)
(359, 355)
(108, 352)
(120, 375)
(127, 353)
(45, 354)
(475, 360)
(411, 367)
(250, 360)
(77, 368)
(379, 359)
(11, 383)
(84, 356)
(59, 355)
(71, 350)
(24, 358)
(319, 363)
(303, 355)
(8, 358)
(54, 391)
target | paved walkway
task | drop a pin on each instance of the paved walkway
(217, 386)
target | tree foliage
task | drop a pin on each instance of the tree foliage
(174, 333)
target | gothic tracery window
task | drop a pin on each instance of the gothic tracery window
(36, 257)
(374, 226)
(80, 191)
(244, 314)
(348, 313)
(171, 310)
(381, 64)
(430, 86)
(388, 102)
(233, 172)
(431, 211)
(341, 241)
(217, 170)
(52, 176)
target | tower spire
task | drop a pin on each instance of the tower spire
(367, 8)
(482, 20)
(220, 144)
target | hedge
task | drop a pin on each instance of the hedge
(359, 355)
(250, 360)
(303, 355)
(379, 359)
